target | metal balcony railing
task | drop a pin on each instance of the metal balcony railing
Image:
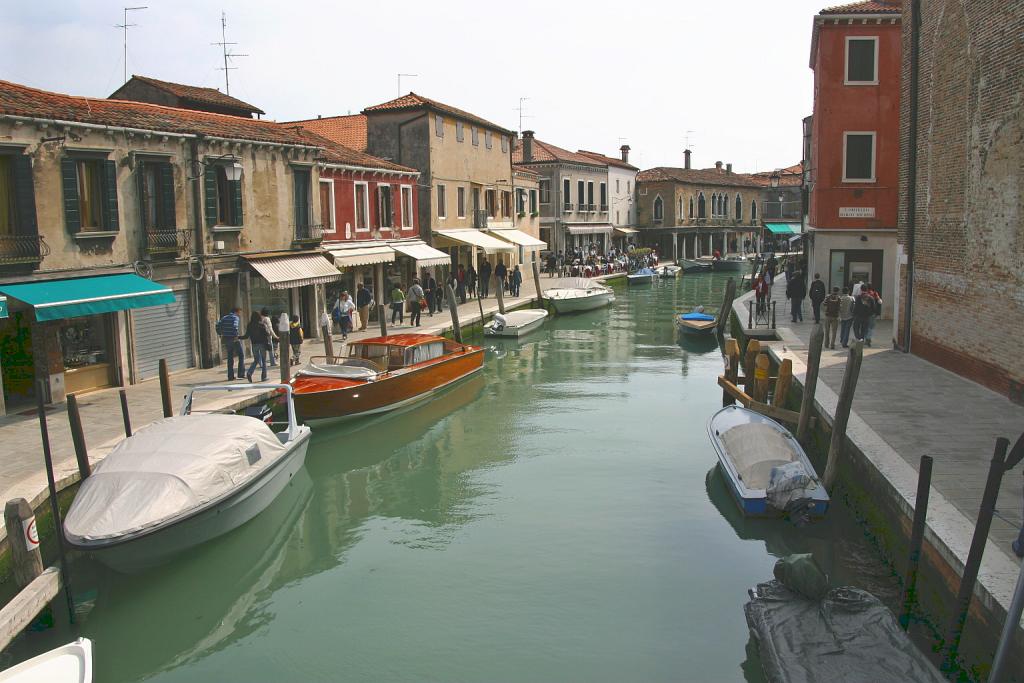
(170, 242)
(604, 208)
(22, 249)
(567, 207)
(480, 219)
(309, 234)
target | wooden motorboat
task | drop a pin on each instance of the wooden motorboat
(381, 374)
(578, 294)
(696, 323)
(750, 447)
(644, 276)
(71, 663)
(515, 323)
(695, 265)
(184, 480)
(669, 271)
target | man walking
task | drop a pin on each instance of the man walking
(832, 304)
(877, 298)
(500, 271)
(430, 289)
(846, 303)
(485, 279)
(364, 297)
(460, 288)
(230, 329)
(796, 291)
(817, 295)
(863, 309)
(414, 297)
(516, 282)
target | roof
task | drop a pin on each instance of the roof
(611, 161)
(195, 93)
(695, 176)
(866, 7)
(335, 153)
(409, 339)
(522, 170)
(346, 130)
(412, 101)
(791, 176)
(21, 100)
(545, 152)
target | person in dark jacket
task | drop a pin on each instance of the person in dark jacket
(430, 289)
(230, 329)
(796, 291)
(460, 289)
(863, 309)
(500, 271)
(295, 338)
(515, 282)
(485, 279)
(816, 294)
(364, 299)
(258, 338)
(471, 278)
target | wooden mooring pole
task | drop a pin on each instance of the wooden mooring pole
(810, 381)
(842, 416)
(78, 437)
(453, 307)
(732, 368)
(23, 539)
(761, 375)
(726, 310)
(165, 388)
(536, 281)
(749, 359)
(125, 416)
(501, 297)
(382, 319)
(328, 343)
(924, 483)
(284, 354)
(782, 383)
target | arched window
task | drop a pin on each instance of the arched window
(739, 208)
(659, 209)
(725, 206)
(691, 207)
(753, 209)
(714, 204)
(702, 209)
(679, 213)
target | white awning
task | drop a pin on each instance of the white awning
(286, 272)
(626, 231)
(589, 229)
(422, 253)
(476, 238)
(362, 256)
(519, 237)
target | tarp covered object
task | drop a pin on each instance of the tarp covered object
(169, 468)
(848, 636)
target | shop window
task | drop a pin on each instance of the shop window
(87, 355)
(90, 194)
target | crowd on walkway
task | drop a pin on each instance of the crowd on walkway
(591, 261)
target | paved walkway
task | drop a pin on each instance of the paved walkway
(21, 467)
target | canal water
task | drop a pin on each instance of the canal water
(558, 518)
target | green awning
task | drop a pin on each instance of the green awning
(56, 299)
(3, 307)
(783, 228)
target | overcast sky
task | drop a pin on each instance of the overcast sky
(731, 72)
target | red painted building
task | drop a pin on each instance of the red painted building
(855, 146)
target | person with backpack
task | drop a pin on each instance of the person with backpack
(295, 338)
(229, 328)
(364, 299)
(817, 295)
(269, 326)
(846, 303)
(500, 271)
(485, 279)
(877, 298)
(415, 297)
(833, 303)
(863, 309)
(342, 314)
(259, 340)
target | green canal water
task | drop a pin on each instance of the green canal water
(558, 518)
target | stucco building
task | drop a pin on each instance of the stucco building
(621, 183)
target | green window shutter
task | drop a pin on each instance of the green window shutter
(24, 197)
(69, 184)
(301, 198)
(166, 208)
(111, 221)
(210, 192)
(236, 201)
(140, 177)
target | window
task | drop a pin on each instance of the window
(17, 196)
(506, 204)
(385, 207)
(300, 177)
(439, 126)
(442, 205)
(590, 195)
(861, 60)
(156, 194)
(581, 195)
(753, 209)
(533, 201)
(725, 206)
(90, 194)
(504, 144)
(545, 191)
(487, 139)
(476, 136)
(459, 133)
(858, 157)
(659, 209)
(490, 201)
(327, 205)
(702, 209)
(617, 217)
(628, 184)
(616, 186)
(604, 197)
(520, 200)
(691, 207)
(362, 199)
(566, 195)
(680, 212)
(223, 197)
(460, 201)
(739, 208)
(407, 208)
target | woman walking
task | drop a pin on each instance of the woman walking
(343, 314)
(397, 304)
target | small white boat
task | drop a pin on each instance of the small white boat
(669, 271)
(183, 480)
(578, 294)
(644, 276)
(695, 265)
(515, 323)
(71, 663)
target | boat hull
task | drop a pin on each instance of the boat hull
(645, 279)
(691, 266)
(702, 328)
(71, 663)
(729, 265)
(669, 272)
(516, 331)
(157, 546)
(583, 303)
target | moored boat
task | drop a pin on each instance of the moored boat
(669, 271)
(695, 265)
(578, 294)
(768, 472)
(643, 276)
(696, 322)
(182, 481)
(71, 663)
(381, 374)
(515, 323)
(729, 263)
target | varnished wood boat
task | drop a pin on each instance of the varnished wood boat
(381, 374)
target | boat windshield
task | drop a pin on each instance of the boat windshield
(378, 353)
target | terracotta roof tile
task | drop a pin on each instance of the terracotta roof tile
(867, 7)
(414, 101)
(696, 176)
(791, 176)
(346, 130)
(545, 152)
(336, 153)
(211, 96)
(610, 161)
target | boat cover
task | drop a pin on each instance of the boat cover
(847, 636)
(755, 449)
(168, 468)
(704, 317)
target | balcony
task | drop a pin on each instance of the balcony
(168, 242)
(309, 235)
(604, 208)
(480, 219)
(22, 249)
(567, 207)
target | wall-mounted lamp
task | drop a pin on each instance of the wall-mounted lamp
(229, 162)
(863, 238)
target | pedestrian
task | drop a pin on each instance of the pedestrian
(397, 304)
(833, 302)
(430, 290)
(229, 327)
(342, 314)
(485, 278)
(796, 290)
(295, 338)
(259, 340)
(364, 299)
(271, 346)
(846, 303)
(471, 278)
(870, 331)
(416, 298)
(863, 309)
(761, 293)
(460, 286)
(816, 293)
(500, 271)
(516, 281)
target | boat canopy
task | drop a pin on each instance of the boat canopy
(167, 469)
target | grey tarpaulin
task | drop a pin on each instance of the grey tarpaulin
(848, 636)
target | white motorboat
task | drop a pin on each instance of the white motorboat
(515, 323)
(578, 294)
(669, 271)
(644, 276)
(71, 663)
(184, 480)
(695, 265)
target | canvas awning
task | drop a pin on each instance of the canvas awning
(58, 299)
(520, 238)
(626, 231)
(589, 229)
(3, 307)
(424, 255)
(476, 238)
(299, 270)
(362, 256)
(782, 228)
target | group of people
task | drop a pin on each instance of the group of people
(262, 338)
(854, 308)
(578, 261)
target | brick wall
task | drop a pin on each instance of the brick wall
(968, 304)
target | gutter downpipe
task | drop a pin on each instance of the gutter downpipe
(915, 37)
(205, 358)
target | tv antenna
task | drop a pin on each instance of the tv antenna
(688, 139)
(522, 116)
(228, 54)
(127, 26)
(400, 81)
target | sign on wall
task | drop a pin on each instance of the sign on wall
(856, 212)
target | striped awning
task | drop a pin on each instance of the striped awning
(520, 238)
(589, 228)
(424, 255)
(475, 238)
(287, 272)
(362, 256)
(626, 231)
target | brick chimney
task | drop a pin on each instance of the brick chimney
(728, 168)
(625, 153)
(527, 145)
(718, 166)
(686, 155)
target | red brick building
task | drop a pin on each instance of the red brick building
(854, 164)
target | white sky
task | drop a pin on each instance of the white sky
(734, 72)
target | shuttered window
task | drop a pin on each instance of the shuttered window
(223, 198)
(459, 133)
(90, 194)
(156, 195)
(302, 203)
(476, 136)
(859, 157)
(17, 196)
(487, 139)
(439, 126)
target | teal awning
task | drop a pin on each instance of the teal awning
(56, 299)
(783, 228)
(3, 307)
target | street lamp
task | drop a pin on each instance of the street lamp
(229, 162)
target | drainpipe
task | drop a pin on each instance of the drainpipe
(915, 38)
(206, 359)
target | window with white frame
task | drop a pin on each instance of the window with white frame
(533, 201)
(460, 134)
(859, 157)
(691, 207)
(385, 207)
(753, 209)
(861, 60)
(739, 208)
(327, 217)
(702, 208)
(604, 197)
(407, 207)
(362, 201)
(460, 201)
(590, 195)
(520, 200)
(629, 186)
(567, 194)
(442, 204)
(439, 126)
(616, 186)
(581, 194)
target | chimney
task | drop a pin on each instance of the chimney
(718, 166)
(625, 153)
(728, 168)
(527, 146)
(686, 155)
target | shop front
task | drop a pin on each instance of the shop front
(292, 284)
(420, 259)
(528, 247)
(464, 245)
(365, 263)
(589, 237)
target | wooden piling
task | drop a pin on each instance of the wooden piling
(810, 380)
(454, 309)
(383, 320)
(842, 416)
(761, 374)
(165, 388)
(782, 383)
(924, 482)
(536, 281)
(23, 539)
(753, 349)
(501, 297)
(730, 294)
(328, 343)
(284, 355)
(125, 416)
(78, 437)
(480, 304)
(732, 369)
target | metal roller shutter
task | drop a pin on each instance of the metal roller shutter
(163, 332)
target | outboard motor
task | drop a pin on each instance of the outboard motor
(261, 412)
(499, 322)
(789, 491)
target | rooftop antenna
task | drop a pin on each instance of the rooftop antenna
(228, 54)
(400, 81)
(688, 139)
(126, 26)
(522, 116)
